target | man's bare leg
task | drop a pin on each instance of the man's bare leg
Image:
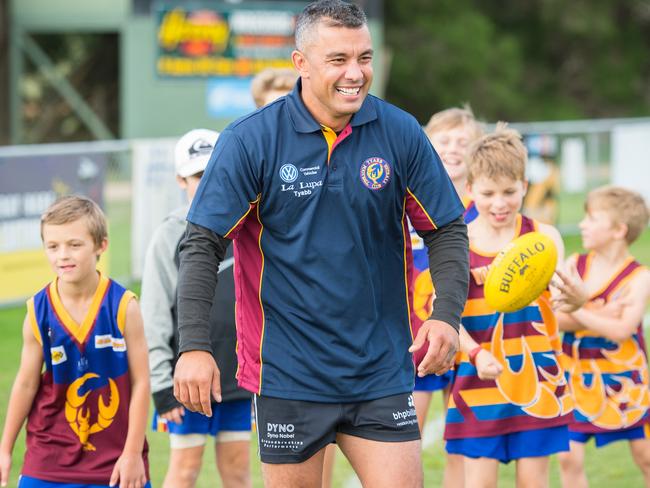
(384, 464)
(307, 474)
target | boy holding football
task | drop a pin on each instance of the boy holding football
(509, 399)
(604, 296)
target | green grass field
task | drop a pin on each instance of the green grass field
(608, 467)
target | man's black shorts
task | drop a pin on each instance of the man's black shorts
(291, 431)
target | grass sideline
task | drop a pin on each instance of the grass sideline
(611, 466)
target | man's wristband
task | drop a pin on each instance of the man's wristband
(473, 353)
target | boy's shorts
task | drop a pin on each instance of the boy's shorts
(604, 438)
(517, 445)
(291, 431)
(433, 382)
(29, 482)
(230, 421)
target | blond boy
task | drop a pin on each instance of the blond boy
(452, 132)
(509, 400)
(272, 83)
(86, 413)
(604, 295)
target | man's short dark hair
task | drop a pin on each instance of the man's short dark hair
(334, 13)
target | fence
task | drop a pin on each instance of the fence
(134, 181)
(581, 155)
(135, 190)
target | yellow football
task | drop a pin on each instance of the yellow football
(520, 272)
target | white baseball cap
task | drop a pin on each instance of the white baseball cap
(193, 151)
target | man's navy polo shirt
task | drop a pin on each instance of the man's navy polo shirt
(322, 248)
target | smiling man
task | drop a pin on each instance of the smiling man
(314, 190)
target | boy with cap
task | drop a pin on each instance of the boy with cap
(230, 421)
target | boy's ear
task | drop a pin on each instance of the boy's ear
(620, 231)
(101, 249)
(525, 187)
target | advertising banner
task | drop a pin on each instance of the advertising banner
(224, 40)
(28, 185)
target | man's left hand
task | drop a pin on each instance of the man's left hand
(443, 345)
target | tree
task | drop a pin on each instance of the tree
(513, 60)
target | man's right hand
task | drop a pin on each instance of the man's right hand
(196, 379)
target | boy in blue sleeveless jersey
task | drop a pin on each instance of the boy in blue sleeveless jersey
(87, 412)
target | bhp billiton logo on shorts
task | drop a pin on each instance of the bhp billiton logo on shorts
(375, 173)
(288, 173)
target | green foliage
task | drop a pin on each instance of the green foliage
(537, 60)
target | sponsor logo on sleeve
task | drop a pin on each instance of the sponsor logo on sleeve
(119, 344)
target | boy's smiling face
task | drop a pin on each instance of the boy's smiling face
(498, 200)
(451, 145)
(71, 251)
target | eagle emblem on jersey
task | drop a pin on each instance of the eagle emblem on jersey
(375, 173)
(77, 413)
(622, 401)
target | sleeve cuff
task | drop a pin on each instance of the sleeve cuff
(442, 312)
(164, 400)
(195, 345)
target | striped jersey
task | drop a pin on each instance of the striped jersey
(78, 422)
(423, 291)
(609, 380)
(531, 392)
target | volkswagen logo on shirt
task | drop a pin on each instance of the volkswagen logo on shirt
(288, 173)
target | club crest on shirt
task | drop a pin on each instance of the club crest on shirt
(375, 173)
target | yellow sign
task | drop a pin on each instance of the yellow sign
(26, 272)
(215, 42)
